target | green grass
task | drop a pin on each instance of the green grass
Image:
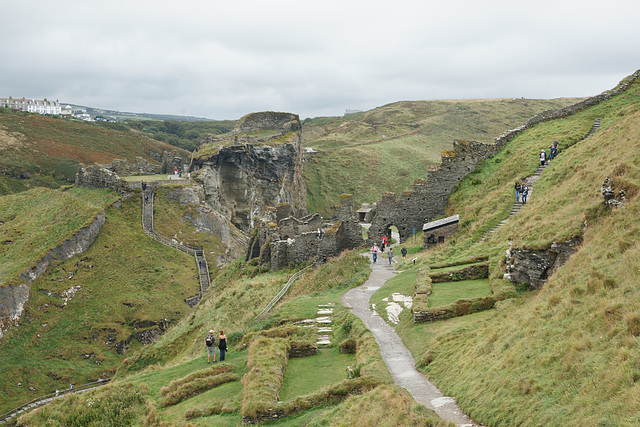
(448, 292)
(307, 375)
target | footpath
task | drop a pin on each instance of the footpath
(397, 357)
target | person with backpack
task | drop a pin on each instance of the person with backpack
(390, 255)
(383, 240)
(518, 188)
(374, 252)
(210, 342)
(222, 344)
(525, 193)
(403, 251)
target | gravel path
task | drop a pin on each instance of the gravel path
(397, 357)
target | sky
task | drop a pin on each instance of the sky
(222, 60)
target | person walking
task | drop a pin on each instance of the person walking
(543, 157)
(374, 252)
(403, 251)
(222, 344)
(525, 193)
(518, 188)
(210, 342)
(319, 233)
(390, 255)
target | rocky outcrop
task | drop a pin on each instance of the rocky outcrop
(13, 297)
(611, 198)
(535, 266)
(248, 174)
(207, 220)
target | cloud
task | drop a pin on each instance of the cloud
(225, 59)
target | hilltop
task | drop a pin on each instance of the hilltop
(45, 151)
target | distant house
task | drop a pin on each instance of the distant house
(67, 110)
(440, 230)
(40, 106)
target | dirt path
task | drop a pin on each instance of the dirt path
(397, 357)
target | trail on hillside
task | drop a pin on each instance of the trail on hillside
(399, 360)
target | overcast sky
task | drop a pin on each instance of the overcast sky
(222, 60)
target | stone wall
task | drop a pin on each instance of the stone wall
(432, 237)
(429, 198)
(534, 266)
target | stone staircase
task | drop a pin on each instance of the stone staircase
(196, 252)
(530, 181)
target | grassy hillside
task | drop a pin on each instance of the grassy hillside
(170, 381)
(48, 149)
(567, 354)
(360, 159)
(125, 284)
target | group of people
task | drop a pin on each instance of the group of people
(553, 152)
(522, 191)
(211, 343)
(384, 241)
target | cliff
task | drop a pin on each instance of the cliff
(257, 165)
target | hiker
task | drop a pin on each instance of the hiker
(555, 144)
(210, 341)
(70, 388)
(222, 344)
(525, 193)
(553, 152)
(518, 188)
(383, 240)
(543, 157)
(319, 233)
(200, 264)
(390, 255)
(144, 186)
(374, 252)
(403, 251)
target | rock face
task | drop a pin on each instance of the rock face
(207, 220)
(248, 173)
(13, 297)
(536, 266)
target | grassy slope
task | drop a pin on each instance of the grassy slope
(566, 355)
(36, 221)
(146, 282)
(409, 136)
(51, 148)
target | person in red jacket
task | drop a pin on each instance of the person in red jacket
(383, 240)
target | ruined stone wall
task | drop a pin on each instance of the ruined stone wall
(428, 199)
(296, 240)
(95, 176)
(444, 232)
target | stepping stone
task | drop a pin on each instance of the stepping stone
(325, 329)
(329, 304)
(326, 311)
(323, 320)
(305, 321)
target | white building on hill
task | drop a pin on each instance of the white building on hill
(40, 106)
